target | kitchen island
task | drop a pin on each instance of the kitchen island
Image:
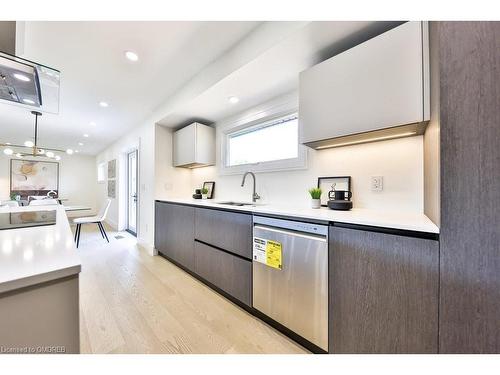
(39, 293)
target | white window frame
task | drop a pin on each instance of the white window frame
(103, 166)
(262, 120)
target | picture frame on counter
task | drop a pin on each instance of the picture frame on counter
(210, 186)
(326, 184)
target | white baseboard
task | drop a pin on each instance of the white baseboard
(112, 224)
(147, 246)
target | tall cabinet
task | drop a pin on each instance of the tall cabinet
(469, 314)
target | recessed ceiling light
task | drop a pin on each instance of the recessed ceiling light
(19, 155)
(103, 104)
(8, 151)
(7, 143)
(132, 56)
(28, 101)
(92, 123)
(77, 151)
(58, 157)
(69, 151)
(29, 144)
(21, 77)
(80, 144)
(86, 135)
(233, 99)
(49, 154)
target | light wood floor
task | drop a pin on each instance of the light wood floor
(131, 302)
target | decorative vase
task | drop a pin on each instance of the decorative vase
(315, 203)
(204, 196)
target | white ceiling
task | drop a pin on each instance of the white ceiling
(90, 56)
(273, 72)
(186, 71)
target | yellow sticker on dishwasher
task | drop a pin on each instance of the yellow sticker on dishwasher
(273, 254)
(267, 252)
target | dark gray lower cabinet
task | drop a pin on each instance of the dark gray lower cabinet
(383, 293)
(174, 232)
(231, 231)
(230, 273)
(175, 238)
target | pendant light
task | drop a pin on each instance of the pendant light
(32, 148)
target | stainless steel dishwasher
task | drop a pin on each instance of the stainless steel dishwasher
(290, 275)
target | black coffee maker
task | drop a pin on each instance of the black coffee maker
(339, 199)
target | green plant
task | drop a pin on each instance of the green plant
(315, 193)
(13, 196)
(204, 191)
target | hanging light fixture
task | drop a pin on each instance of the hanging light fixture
(32, 148)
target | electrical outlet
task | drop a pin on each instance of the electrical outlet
(377, 183)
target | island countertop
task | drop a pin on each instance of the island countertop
(34, 255)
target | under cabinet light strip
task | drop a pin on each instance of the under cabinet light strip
(367, 140)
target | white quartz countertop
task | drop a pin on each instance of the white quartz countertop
(361, 216)
(30, 256)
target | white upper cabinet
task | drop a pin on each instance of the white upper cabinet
(194, 146)
(379, 84)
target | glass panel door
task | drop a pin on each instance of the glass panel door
(132, 193)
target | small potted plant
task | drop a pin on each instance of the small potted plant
(204, 193)
(315, 197)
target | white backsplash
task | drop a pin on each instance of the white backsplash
(399, 161)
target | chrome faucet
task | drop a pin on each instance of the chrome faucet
(255, 196)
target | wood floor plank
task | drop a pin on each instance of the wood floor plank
(132, 302)
(102, 332)
(149, 298)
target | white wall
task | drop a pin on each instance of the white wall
(170, 182)
(399, 161)
(141, 139)
(77, 177)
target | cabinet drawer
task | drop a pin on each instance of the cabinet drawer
(230, 231)
(228, 272)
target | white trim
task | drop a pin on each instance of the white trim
(147, 246)
(280, 107)
(104, 172)
(112, 224)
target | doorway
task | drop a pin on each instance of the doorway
(132, 192)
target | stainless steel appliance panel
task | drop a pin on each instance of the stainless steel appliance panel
(297, 295)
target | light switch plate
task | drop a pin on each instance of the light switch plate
(377, 183)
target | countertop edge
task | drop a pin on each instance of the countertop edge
(39, 279)
(431, 228)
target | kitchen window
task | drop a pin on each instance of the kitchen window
(264, 145)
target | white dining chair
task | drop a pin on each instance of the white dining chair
(10, 204)
(97, 219)
(43, 202)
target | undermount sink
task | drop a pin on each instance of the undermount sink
(239, 204)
